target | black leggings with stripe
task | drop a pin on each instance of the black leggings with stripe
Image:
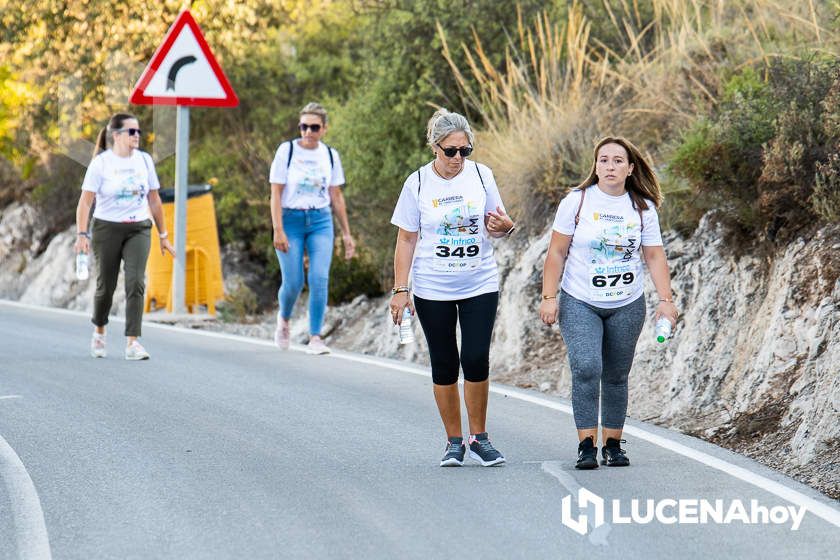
(476, 316)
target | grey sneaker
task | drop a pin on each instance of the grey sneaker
(482, 450)
(135, 351)
(97, 345)
(454, 453)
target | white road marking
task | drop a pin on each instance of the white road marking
(820, 509)
(31, 537)
(596, 535)
(10, 397)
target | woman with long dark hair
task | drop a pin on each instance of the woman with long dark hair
(122, 180)
(600, 232)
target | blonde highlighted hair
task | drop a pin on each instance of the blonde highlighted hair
(443, 123)
(315, 109)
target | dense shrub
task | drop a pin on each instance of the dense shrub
(240, 303)
(721, 156)
(57, 193)
(358, 276)
(759, 155)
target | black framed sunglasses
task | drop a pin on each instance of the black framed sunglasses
(313, 127)
(450, 152)
(130, 131)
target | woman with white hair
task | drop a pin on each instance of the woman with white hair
(446, 213)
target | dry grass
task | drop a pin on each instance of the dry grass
(561, 88)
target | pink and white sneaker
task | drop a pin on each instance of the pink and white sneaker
(281, 334)
(317, 346)
(97, 345)
(135, 351)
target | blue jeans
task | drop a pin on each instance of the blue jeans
(311, 230)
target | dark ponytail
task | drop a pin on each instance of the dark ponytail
(115, 123)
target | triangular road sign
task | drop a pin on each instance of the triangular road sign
(183, 71)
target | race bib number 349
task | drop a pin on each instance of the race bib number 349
(457, 253)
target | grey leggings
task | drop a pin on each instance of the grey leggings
(601, 344)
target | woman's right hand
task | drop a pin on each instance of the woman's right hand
(82, 244)
(281, 242)
(548, 311)
(399, 302)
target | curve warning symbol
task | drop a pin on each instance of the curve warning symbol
(183, 71)
(173, 72)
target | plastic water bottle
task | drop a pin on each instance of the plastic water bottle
(82, 270)
(406, 332)
(663, 329)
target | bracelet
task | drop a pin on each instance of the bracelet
(666, 300)
(163, 235)
(83, 234)
(399, 290)
(513, 227)
(545, 297)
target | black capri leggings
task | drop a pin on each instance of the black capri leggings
(476, 316)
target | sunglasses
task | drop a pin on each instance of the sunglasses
(313, 127)
(131, 131)
(450, 152)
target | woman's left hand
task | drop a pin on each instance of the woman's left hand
(349, 246)
(498, 221)
(669, 310)
(165, 246)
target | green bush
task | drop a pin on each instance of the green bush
(56, 193)
(358, 276)
(825, 200)
(799, 143)
(721, 156)
(756, 157)
(239, 304)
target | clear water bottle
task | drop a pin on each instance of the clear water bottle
(406, 332)
(82, 270)
(663, 329)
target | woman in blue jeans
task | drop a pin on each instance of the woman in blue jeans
(306, 179)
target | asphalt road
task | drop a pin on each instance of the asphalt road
(221, 447)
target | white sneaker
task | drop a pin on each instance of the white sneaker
(135, 351)
(317, 346)
(281, 334)
(97, 345)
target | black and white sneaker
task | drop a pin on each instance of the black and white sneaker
(454, 454)
(613, 455)
(482, 450)
(587, 454)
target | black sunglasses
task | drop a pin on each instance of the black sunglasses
(312, 127)
(450, 152)
(131, 131)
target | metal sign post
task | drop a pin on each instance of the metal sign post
(183, 72)
(182, 159)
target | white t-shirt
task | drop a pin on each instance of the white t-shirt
(121, 185)
(453, 258)
(308, 177)
(604, 267)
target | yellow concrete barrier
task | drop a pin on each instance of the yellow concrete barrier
(204, 283)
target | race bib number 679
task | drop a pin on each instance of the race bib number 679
(611, 283)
